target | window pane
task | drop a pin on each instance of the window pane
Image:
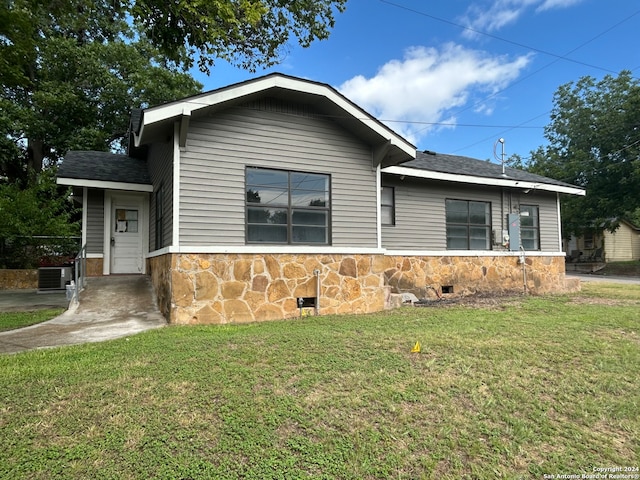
(266, 215)
(386, 196)
(457, 211)
(530, 240)
(132, 226)
(454, 216)
(386, 215)
(267, 195)
(479, 213)
(457, 238)
(310, 181)
(267, 178)
(309, 234)
(267, 233)
(307, 217)
(307, 198)
(526, 221)
(479, 238)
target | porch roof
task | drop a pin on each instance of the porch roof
(104, 170)
(462, 169)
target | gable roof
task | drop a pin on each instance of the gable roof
(455, 168)
(388, 145)
(104, 170)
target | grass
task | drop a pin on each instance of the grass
(630, 268)
(517, 389)
(13, 320)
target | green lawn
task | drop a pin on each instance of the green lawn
(514, 389)
(13, 320)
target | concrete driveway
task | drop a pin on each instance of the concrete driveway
(110, 307)
(586, 277)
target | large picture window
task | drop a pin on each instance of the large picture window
(529, 227)
(287, 207)
(468, 225)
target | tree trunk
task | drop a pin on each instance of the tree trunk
(35, 155)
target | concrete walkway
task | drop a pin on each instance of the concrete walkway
(110, 307)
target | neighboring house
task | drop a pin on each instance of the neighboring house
(248, 202)
(603, 245)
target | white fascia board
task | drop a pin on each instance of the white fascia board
(310, 250)
(187, 106)
(470, 253)
(498, 182)
(267, 250)
(79, 182)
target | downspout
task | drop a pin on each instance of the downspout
(378, 207)
(559, 222)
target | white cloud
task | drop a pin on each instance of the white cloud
(489, 17)
(550, 4)
(428, 83)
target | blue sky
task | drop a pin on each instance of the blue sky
(451, 89)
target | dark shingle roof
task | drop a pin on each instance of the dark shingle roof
(104, 166)
(459, 165)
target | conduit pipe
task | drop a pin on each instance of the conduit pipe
(523, 260)
(316, 272)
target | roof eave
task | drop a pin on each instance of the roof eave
(498, 182)
(106, 185)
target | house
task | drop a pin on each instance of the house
(619, 246)
(264, 198)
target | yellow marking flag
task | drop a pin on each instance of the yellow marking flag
(416, 348)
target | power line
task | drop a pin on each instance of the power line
(499, 134)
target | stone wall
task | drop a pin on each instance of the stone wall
(18, 279)
(473, 275)
(224, 288)
(94, 267)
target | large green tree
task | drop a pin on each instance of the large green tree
(594, 142)
(71, 76)
(71, 70)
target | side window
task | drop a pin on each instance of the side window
(468, 225)
(529, 227)
(159, 220)
(388, 206)
(284, 207)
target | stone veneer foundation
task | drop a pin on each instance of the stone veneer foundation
(231, 288)
(13, 279)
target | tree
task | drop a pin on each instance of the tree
(594, 142)
(70, 71)
(79, 73)
(30, 217)
(247, 33)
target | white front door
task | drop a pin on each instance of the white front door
(126, 235)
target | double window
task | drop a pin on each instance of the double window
(468, 225)
(529, 227)
(284, 207)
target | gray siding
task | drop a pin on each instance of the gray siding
(420, 212)
(95, 221)
(160, 160)
(212, 171)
